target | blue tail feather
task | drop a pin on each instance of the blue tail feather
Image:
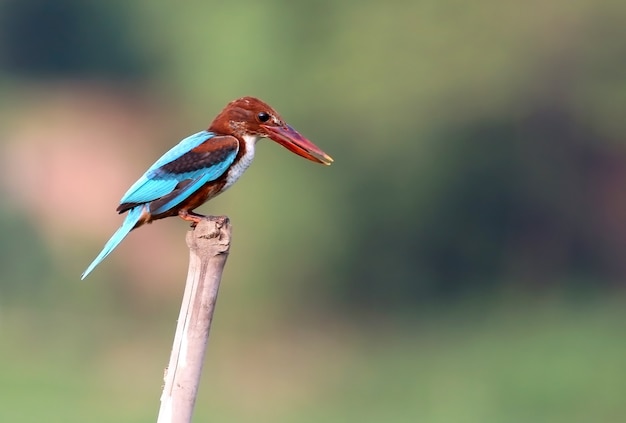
(131, 220)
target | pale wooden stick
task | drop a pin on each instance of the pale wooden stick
(208, 246)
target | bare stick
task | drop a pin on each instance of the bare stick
(208, 246)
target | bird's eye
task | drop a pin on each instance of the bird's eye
(263, 117)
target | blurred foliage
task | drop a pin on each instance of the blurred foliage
(69, 39)
(556, 364)
(25, 261)
(479, 162)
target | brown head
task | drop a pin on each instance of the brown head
(251, 116)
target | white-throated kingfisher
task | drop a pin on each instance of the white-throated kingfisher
(204, 165)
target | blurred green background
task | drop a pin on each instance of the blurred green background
(464, 259)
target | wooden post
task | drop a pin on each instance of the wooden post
(208, 244)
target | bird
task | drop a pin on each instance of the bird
(204, 165)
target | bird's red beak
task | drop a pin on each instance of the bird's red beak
(296, 143)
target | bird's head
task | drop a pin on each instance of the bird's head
(249, 116)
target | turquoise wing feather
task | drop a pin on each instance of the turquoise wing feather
(181, 164)
(193, 162)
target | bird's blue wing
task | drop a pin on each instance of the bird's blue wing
(193, 162)
(198, 159)
(180, 196)
(183, 147)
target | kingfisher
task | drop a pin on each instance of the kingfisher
(204, 165)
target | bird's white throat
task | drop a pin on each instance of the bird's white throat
(237, 169)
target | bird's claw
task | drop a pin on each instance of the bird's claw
(190, 216)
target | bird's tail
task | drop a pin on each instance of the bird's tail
(132, 218)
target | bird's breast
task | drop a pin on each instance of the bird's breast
(239, 167)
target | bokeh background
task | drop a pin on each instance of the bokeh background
(464, 259)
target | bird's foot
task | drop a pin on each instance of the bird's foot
(190, 216)
(195, 218)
